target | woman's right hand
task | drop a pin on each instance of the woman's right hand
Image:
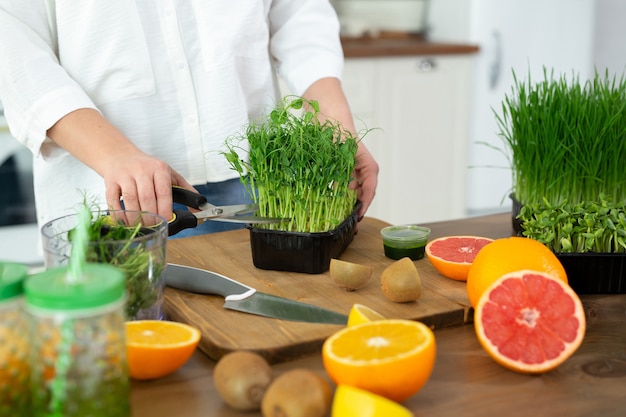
(143, 183)
(140, 180)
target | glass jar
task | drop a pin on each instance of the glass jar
(140, 252)
(78, 350)
(14, 365)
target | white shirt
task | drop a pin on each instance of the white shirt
(178, 77)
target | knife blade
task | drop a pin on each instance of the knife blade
(246, 299)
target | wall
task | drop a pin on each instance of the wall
(608, 45)
(569, 36)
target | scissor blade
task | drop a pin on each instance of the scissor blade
(236, 217)
(225, 211)
(250, 219)
(240, 209)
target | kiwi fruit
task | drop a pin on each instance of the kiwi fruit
(349, 276)
(401, 282)
(297, 393)
(241, 379)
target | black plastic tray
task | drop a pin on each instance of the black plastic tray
(587, 273)
(301, 252)
(595, 273)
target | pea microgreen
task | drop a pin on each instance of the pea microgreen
(298, 166)
(581, 227)
(113, 242)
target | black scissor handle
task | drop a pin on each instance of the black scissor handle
(181, 219)
(189, 198)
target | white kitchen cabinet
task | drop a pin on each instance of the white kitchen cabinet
(419, 106)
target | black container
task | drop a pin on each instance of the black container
(587, 273)
(595, 273)
(301, 252)
(515, 211)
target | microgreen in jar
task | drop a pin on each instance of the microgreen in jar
(113, 241)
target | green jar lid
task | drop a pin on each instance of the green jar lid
(12, 276)
(101, 284)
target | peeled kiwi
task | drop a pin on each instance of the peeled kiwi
(241, 378)
(297, 393)
(401, 282)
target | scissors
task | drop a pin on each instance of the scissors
(185, 219)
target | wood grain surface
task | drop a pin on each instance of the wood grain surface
(443, 303)
(465, 380)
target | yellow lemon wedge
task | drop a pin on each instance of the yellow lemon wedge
(362, 314)
(354, 402)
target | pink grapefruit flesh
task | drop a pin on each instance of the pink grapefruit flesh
(529, 321)
(452, 256)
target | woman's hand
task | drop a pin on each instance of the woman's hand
(141, 181)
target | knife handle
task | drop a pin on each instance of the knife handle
(200, 281)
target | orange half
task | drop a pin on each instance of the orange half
(392, 358)
(156, 348)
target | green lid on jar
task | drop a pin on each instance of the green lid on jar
(101, 284)
(12, 276)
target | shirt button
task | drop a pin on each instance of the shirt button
(180, 65)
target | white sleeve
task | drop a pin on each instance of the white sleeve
(35, 90)
(305, 42)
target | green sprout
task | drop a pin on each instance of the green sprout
(299, 167)
(113, 242)
(567, 140)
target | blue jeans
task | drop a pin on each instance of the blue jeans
(221, 194)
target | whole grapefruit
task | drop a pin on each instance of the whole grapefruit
(507, 255)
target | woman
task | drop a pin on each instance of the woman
(122, 99)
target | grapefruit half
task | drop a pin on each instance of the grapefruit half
(529, 321)
(452, 256)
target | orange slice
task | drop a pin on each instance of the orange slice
(391, 358)
(156, 348)
(354, 402)
(452, 256)
(362, 314)
(507, 255)
(529, 321)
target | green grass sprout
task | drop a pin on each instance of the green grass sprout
(566, 142)
(566, 139)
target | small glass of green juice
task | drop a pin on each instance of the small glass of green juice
(403, 241)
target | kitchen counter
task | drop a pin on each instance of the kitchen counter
(401, 45)
(465, 380)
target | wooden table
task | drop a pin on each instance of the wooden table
(465, 381)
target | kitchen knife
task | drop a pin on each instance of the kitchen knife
(240, 297)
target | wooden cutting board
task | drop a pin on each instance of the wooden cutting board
(443, 303)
